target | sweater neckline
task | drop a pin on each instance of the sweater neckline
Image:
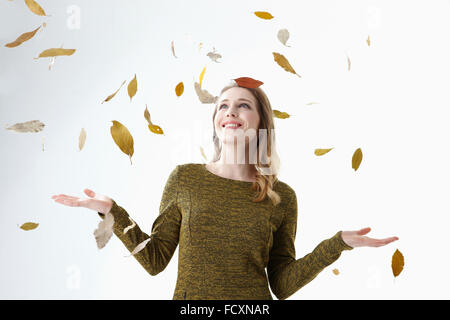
(203, 166)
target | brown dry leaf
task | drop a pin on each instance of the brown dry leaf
(368, 41)
(263, 15)
(112, 95)
(29, 126)
(173, 50)
(22, 38)
(35, 7)
(283, 36)
(321, 152)
(357, 158)
(284, 63)
(81, 139)
(280, 115)
(398, 262)
(29, 226)
(53, 52)
(179, 89)
(104, 231)
(132, 87)
(336, 271)
(201, 76)
(139, 247)
(123, 138)
(203, 95)
(214, 56)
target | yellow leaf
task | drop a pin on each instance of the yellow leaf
(336, 271)
(123, 138)
(147, 115)
(398, 263)
(201, 76)
(357, 158)
(112, 95)
(179, 89)
(320, 152)
(281, 115)
(35, 7)
(284, 63)
(203, 153)
(22, 38)
(82, 139)
(155, 129)
(132, 87)
(263, 15)
(53, 52)
(29, 126)
(29, 226)
(368, 41)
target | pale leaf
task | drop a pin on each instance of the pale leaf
(139, 247)
(29, 126)
(130, 226)
(82, 139)
(104, 231)
(283, 36)
(203, 95)
(173, 50)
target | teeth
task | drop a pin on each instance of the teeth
(232, 125)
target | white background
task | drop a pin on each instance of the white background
(393, 104)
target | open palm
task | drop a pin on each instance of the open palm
(357, 239)
(96, 202)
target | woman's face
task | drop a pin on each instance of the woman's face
(236, 105)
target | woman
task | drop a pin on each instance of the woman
(231, 217)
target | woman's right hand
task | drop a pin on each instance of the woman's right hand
(96, 202)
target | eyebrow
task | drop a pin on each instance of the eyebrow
(242, 99)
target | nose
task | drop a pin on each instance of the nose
(232, 112)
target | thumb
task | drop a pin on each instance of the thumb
(364, 231)
(89, 192)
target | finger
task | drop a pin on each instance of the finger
(68, 202)
(89, 192)
(67, 197)
(363, 231)
(380, 242)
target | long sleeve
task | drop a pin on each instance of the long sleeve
(286, 274)
(165, 229)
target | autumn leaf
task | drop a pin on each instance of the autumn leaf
(29, 126)
(173, 50)
(82, 139)
(283, 36)
(398, 263)
(321, 152)
(357, 158)
(104, 231)
(179, 89)
(132, 87)
(22, 38)
(368, 41)
(29, 226)
(214, 56)
(139, 247)
(123, 138)
(284, 63)
(133, 224)
(336, 271)
(263, 15)
(153, 128)
(203, 153)
(203, 95)
(349, 63)
(201, 76)
(247, 82)
(42, 142)
(35, 7)
(53, 52)
(200, 46)
(280, 115)
(113, 94)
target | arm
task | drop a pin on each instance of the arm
(286, 274)
(165, 230)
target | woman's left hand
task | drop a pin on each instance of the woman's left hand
(356, 239)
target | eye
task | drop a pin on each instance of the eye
(242, 104)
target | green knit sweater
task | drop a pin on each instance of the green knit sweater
(226, 240)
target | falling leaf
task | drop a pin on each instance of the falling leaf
(82, 139)
(200, 46)
(368, 41)
(153, 128)
(179, 89)
(22, 38)
(139, 247)
(283, 36)
(201, 76)
(336, 271)
(133, 224)
(35, 7)
(203, 95)
(53, 52)
(263, 15)
(311, 103)
(132, 87)
(247, 82)
(147, 115)
(398, 263)
(123, 138)
(357, 158)
(42, 144)
(281, 115)
(214, 56)
(284, 63)
(112, 95)
(321, 152)
(104, 231)
(203, 153)
(29, 126)
(29, 226)
(349, 63)
(173, 50)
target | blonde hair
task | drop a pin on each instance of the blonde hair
(265, 179)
